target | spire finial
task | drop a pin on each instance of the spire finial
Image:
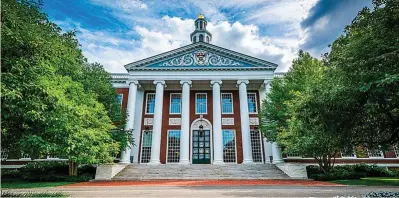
(200, 16)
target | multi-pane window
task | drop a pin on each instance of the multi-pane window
(175, 103)
(229, 146)
(256, 146)
(150, 103)
(375, 153)
(227, 103)
(200, 103)
(396, 149)
(350, 155)
(293, 155)
(173, 146)
(120, 98)
(252, 108)
(146, 146)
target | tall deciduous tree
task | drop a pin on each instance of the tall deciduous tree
(52, 101)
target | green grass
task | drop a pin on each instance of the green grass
(26, 184)
(32, 194)
(371, 181)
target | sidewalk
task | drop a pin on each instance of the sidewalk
(206, 183)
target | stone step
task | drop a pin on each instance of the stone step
(176, 171)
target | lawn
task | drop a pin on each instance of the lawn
(26, 184)
(371, 181)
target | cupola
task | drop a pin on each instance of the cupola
(200, 33)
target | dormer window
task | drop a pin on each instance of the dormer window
(201, 38)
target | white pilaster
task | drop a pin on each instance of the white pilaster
(268, 150)
(131, 105)
(244, 114)
(217, 123)
(277, 157)
(185, 123)
(157, 126)
(266, 85)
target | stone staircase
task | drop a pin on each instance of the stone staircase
(200, 171)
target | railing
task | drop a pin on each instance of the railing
(117, 76)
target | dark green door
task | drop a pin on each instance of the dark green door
(201, 147)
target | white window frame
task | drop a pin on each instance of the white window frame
(293, 156)
(206, 104)
(141, 149)
(256, 103)
(146, 103)
(121, 102)
(232, 103)
(262, 152)
(349, 157)
(373, 157)
(235, 141)
(170, 103)
(396, 150)
(167, 146)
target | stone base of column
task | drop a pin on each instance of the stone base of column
(267, 161)
(218, 162)
(247, 162)
(155, 162)
(184, 162)
(278, 161)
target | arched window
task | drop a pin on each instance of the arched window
(201, 38)
(195, 39)
(201, 25)
(197, 25)
(207, 39)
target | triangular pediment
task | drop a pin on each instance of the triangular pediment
(200, 55)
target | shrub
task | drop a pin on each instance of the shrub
(32, 194)
(52, 171)
(382, 194)
(349, 172)
(10, 174)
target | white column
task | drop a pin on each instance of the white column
(185, 123)
(157, 125)
(268, 150)
(277, 157)
(244, 114)
(131, 104)
(217, 123)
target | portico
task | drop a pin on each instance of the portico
(196, 104)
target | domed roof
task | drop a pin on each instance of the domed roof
(200, 16)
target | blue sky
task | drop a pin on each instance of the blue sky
(115, 33)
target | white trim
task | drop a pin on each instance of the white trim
(206, 104)
(235, 140)
(141, 149)
(170, 104)
(349, 157)
(167, 146)
(210, 140)
(146, 103)
(261, 145)
(380, 157)
(256, 102)
(232, 102)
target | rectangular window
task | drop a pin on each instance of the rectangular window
(227, 103)
(252, 106)
(348, 154)
(375, 153)
(293, 155)
(146, 147)
(396, 149)
(120, 99)
(150, 103)
(175, 103)
(229, 146)
(256, 144)
(173, 146)
(200, 103)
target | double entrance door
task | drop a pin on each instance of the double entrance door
(201, 147)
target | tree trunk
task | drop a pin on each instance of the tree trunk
(73, 168)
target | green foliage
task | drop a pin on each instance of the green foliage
(32, 194)
(10, 174)
(356, 171)
(55, 171)
(53, 101)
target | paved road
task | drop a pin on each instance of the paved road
(214, 191)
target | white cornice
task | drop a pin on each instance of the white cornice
(141, 64)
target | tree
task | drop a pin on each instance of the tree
(286, 117)
(53, 102)
(364, 64)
